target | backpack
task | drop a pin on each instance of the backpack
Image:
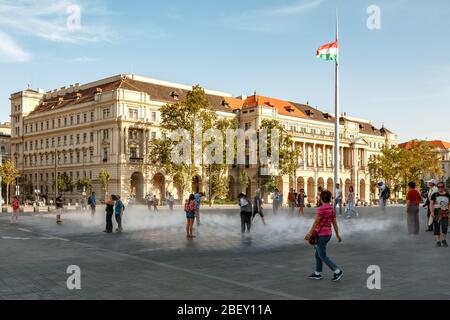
(89, 201)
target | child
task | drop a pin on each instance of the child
(326, 217)
(15, 213)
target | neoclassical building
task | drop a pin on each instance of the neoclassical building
(82, 129)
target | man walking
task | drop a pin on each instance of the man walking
(59, 209)
(276, 201)
(257, 207)
(338, 198)
(385, 194)
(413, 199)
(119, 208)
(246, 213)
(92, 202)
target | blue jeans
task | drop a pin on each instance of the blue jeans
(351, 209)
(336, 203)
(321, 255)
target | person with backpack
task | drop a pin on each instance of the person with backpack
(320, 234)
(246, 213)
(385, 195)
(15, 208)
(413, 199)
(440, 208)
(119, 208)
(189, 207)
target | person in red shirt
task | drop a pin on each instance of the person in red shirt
(291, 201)
(15, 213)
(413, 200)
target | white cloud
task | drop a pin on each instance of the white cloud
(256, 20)
(47, 19)
(11, 51)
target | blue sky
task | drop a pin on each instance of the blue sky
(397, 76)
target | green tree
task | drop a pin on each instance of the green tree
(9, 174)
(104, 177)
(84, 183)
(289, 155)
(243, 179)
(182, 115)
(65, 184)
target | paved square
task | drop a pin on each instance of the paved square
(153, 259)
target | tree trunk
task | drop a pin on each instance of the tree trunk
(7, 194)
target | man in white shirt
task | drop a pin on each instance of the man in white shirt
(338, 198)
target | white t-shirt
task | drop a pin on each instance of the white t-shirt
(338, 194)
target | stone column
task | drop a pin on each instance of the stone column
(324, 157)
(314, 156)
(305, 157)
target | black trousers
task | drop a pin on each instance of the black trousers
(246, 221)
(109, 223)
(119, 221)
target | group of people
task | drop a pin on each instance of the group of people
(116, 208)
(437, 203)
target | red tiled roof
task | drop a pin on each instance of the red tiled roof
(436, 143)
(283, 107)
(157, 92)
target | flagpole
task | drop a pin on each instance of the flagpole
(337, 114)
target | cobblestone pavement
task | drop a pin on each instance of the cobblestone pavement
(153, 259)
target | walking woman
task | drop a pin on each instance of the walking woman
(301, 202)
(109, 213)
(189, 207)
(15, 213)
(351, 212)
(322, 227)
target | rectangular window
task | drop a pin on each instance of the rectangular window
(153, 116)
(106, 134)
(92, 116)
(153, 135)
(92, 137)
(84, 137)
(78, 139)
(85, 117)
(106, 113)
(105, 155)
(78, 119)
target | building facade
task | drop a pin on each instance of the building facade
(5, 150)
(105, 125)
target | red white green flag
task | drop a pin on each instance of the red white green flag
(328, 51)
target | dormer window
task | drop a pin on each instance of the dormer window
(289, 109)
(326, 115)
(175, 95)
(225, 104)
(309, 113)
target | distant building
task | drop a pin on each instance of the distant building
(442, 148)
(82, 129)
(5, 141)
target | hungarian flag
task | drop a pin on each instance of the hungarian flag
(328, 51)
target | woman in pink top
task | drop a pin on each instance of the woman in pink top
(326, 218)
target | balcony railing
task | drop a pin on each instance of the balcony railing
(136, 160)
